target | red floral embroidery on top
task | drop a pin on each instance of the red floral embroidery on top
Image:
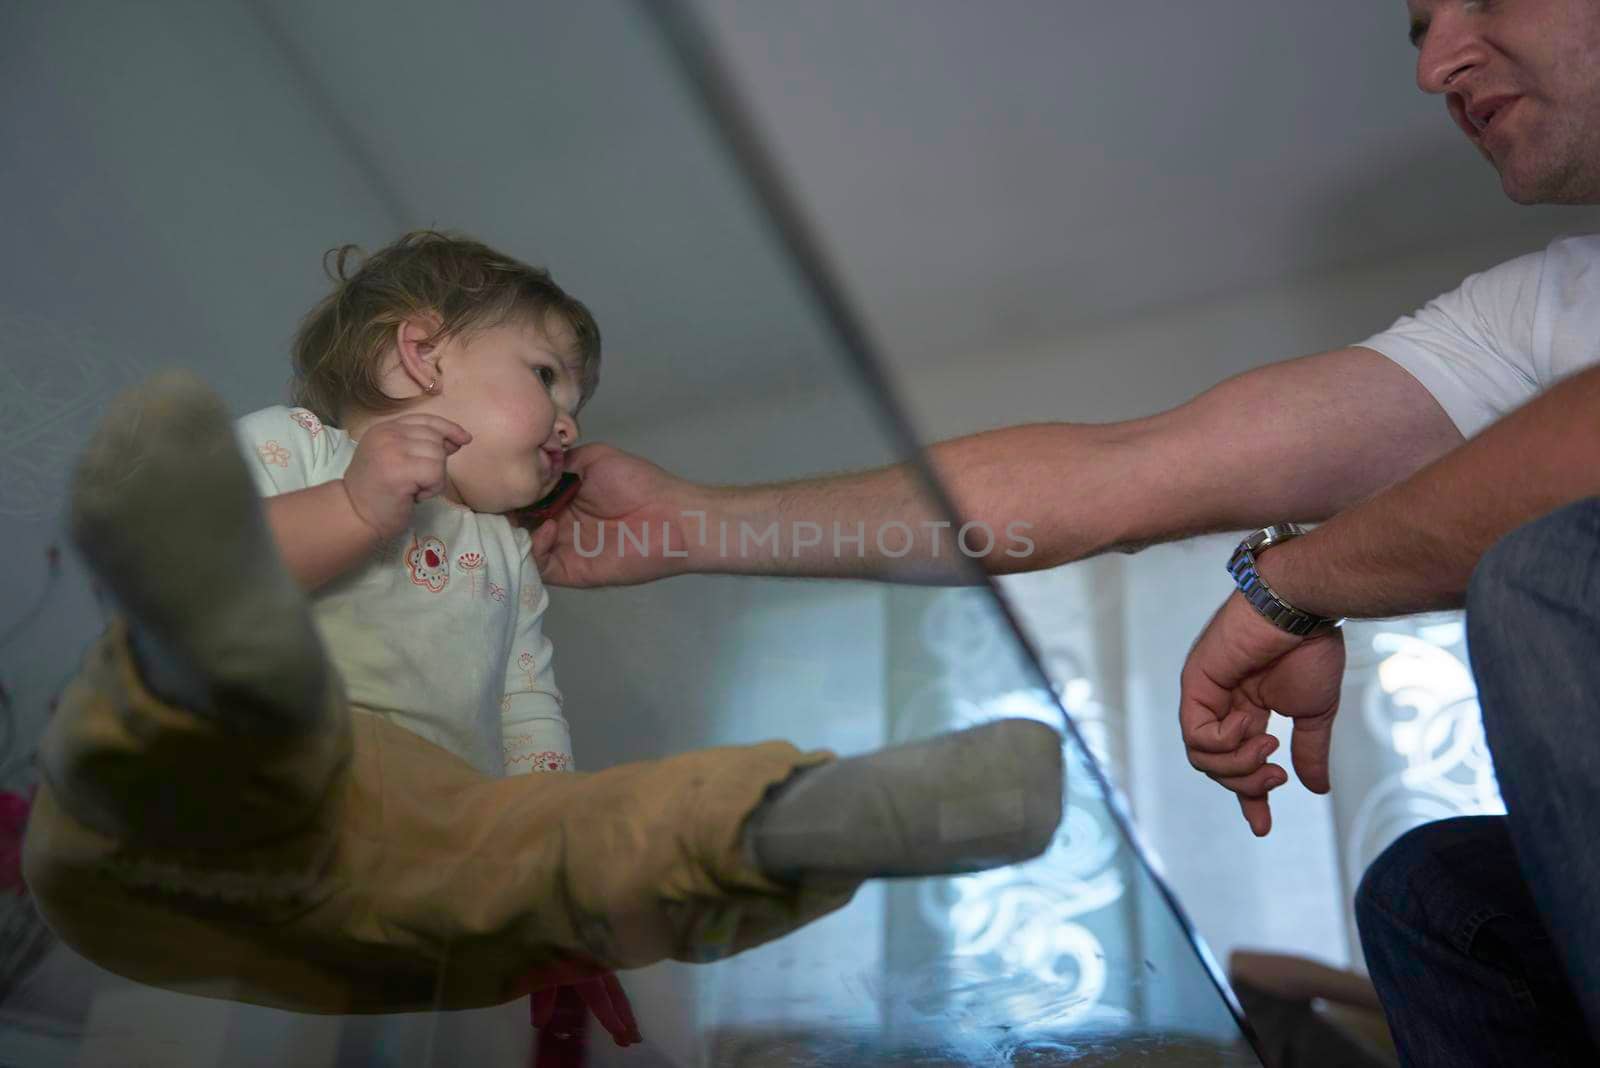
(548, 760)
(429, 563)
(540, 760)
(308, 420)
(273, 453)
(529, 668)
(471, 563)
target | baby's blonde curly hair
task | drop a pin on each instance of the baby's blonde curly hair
(339, 348)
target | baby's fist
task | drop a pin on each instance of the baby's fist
(399, 462)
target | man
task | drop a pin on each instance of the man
(1469, 926)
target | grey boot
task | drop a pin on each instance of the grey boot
(165, 512)
(961, 802)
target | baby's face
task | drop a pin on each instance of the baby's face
(515, 388)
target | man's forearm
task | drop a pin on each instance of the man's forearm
(1301, 440)
(884, 523)
(319, 535)
(1413, 547)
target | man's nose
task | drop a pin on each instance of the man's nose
(1452, 46)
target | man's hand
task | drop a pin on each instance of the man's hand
(399, 462)
(1240, 671)
(617, 491)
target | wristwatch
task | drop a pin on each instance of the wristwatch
(1282, 614)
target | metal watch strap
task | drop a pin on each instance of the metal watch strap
(1280, 613)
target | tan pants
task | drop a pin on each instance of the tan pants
(356, 867)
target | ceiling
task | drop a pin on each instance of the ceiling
(983, 175)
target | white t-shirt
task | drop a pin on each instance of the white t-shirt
(440, 630)
(1505, 335)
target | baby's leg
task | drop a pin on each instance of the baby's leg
(961, 802)
(231, 679)
(504, 883)
(167, 516)
(442, 889)
(694, 857)
(448, 890)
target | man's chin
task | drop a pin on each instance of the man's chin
(1518, 186)
(1529, 194)
(1518, 194)
(1529, 186)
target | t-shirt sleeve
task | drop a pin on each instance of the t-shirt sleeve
(1472, 348)
(533, 731)
(287, 449)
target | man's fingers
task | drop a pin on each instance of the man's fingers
(1202, 713)
(1203, 731)
(1257, 784)
(1241, 761)
(1308, 747)
(1257, 814)
(578, 459)
(543, 540)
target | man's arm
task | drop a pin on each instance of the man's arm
(1298, 440)
(1413, 547)
(319, 535)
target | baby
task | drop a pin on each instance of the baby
(428, 603)
(299, 801)
(427, 598)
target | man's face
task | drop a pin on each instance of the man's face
(1522, 80)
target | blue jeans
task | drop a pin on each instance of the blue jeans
(1482, 934)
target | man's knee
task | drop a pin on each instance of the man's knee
(1383, 890)
(1414, 883)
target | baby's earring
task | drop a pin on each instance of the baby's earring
(431, 386)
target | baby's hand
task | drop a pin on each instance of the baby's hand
(399, 462)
